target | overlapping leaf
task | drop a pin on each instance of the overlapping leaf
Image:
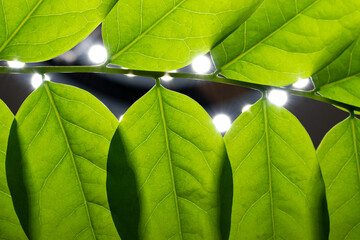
(56, 161)
(340, 80)
(10, 227)
(338, 154)
(284, 40)
(175, 157)
(278, 192)
(167, 34)
(37, 30)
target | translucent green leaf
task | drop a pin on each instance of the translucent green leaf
(38, 30)
(340, 80)
(338, 154)
(278, 191)
(58, 150)
(167, 34)
(10, 227)
(175, 157)
(286, 40)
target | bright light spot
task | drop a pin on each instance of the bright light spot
(36, 80)
(130, 75)
(301, 83)
(167, 77)
(121, 118)
(278, 97)
(201, 64)
(222, 122)
(47, 77)
(97, 54)
(16, 64)
(246, 108)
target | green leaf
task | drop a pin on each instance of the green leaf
(338, 155)
(38, 30)
(61, 143)
(167, 34)
(10, 227)
(278, 191)
(176, 157)
(340, 80)
(286, 40)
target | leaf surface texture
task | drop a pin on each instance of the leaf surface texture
(61, 142)
(287, 40)
(278, 190)
(340, 80)
(177, 158)
(167, 34)
(338, 154)
(38, 30)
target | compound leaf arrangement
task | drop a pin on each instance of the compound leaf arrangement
(70, 170)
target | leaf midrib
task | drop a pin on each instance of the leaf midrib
(20, 26)
(355, 146)
(325, 86)
(146, 31)
(58, 117)
(158, 91)
(269, 167)
(269, 36)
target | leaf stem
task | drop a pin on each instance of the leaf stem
(156, 75)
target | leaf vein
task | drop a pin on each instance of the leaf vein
(146, 31)
(20, 25)
(338, 174)
(196, 205)
(249, 208)
(71, 154)
(270, 35)
(291, 182)
(247, 155)
(152, 169)
(196, 147)
(162, 111)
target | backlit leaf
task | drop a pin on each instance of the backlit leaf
(38, 30)
(278, 191)
(286, 40)
(338, 154)
(175, 157)
(340, 80)
(59, 149)
(10, 227)
(167, 34)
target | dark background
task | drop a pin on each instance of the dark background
(119, 92)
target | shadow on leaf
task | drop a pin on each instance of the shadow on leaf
(122, 190)
(226, 196)
(15, 178)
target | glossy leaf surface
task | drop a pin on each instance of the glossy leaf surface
(278, 191)
(61, 144)
(338, 154)
(10, 227)
(340, 80)
(38, 30)
(286, 40)
(177, 157)
(167, 34)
